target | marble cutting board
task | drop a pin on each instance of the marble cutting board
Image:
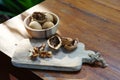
(62, 60)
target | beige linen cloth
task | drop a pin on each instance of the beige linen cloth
(13, 30)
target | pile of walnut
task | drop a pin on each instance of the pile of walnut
(54, 42)
(40, 52)
(41, 21)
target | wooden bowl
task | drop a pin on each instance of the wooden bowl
(44, 33)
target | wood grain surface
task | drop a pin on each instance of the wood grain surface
(94, 22)
(97, 24)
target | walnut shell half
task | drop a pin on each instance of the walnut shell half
(54, 42)
(69, 43)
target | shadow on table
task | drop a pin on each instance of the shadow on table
(7, 68)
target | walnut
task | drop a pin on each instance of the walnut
(34, 56)
(45, 54)
(35, 50)
(49, 17)
(42, 47)
(47, 25)
(54, 42)
(35, 25)
(38, 16)
(66, 40)
(49, 54)
(69, 43)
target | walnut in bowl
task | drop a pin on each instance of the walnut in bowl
(41, 24)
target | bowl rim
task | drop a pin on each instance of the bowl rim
(42, 29)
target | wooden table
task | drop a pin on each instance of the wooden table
(95, 22)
